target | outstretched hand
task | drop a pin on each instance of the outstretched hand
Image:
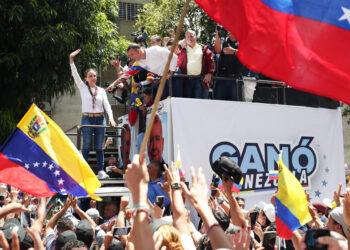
(73, 54)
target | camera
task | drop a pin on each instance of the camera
(226, 168)
(221, 30)
(140, 36)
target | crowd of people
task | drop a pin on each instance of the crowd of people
(199, 62)
(144, 223)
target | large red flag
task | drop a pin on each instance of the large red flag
(303, 43)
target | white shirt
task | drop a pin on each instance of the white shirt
(101, 102)
(194, 60)
(156, 58)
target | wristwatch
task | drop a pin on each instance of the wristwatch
(175, 185)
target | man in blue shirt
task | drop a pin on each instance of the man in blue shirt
(154, 170)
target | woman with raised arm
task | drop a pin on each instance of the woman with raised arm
(94, 103)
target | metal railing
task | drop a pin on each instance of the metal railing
(226, 78)
(121, 135)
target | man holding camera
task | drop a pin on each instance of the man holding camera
(228, 66)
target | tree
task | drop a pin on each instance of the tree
(36, 39)
(161, 15)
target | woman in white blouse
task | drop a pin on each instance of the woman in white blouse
(94, 103)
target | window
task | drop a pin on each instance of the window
(128, 11)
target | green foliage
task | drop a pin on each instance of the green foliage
(37, 37)
(161, 15)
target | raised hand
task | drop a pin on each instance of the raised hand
(72, 55)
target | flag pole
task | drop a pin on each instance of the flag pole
(163, 79)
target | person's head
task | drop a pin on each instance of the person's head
(75, 245)
(127, 134)
(321, 208)
(130, 62)
(64, 224)
(112, 161)
(155, 144)
(63, 238)
(171, 237)
(156, 40)
(222, 218)
(336, 221)
(204, 243)
(263, 219)
(110, 210)
(154, 169)
(94, 214)
(241, 202)
(135, 52)
(84, 232)
(191, 38)
(147, 95)
(90, 76)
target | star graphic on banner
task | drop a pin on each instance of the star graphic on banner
(318, 145)
(36, 164)
(318, 193)
(327, 170)
(51, 166)
(324, 156)
(57, 172)
(26, 166)
(44, 164)
(346, 15)
(324, 183)
(60, 181)
(63, 190)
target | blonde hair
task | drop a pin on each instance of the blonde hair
(171, 237)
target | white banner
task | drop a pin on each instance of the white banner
(252, 135)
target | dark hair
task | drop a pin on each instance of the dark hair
(238, 198)
(204, 243)
(74, 243)
(170, 42)
(88, 70)
(133, 46)
(158, 38)
(64, 224)
(222, 218)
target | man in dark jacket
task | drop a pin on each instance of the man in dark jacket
(196, 60)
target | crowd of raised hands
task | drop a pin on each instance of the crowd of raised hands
(225, 224)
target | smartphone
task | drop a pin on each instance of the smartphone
(311, 238)
(269, 240)
(215, 181)
(121, 231)
(253, 218)
(160, 201)
(187, 184)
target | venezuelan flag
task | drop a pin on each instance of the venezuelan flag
(273, 175)
(291, 205)
(237, 187)
(179, 162)
(135, 68)
(39, 159)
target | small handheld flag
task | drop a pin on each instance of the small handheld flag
(179, 163)
(273, 175)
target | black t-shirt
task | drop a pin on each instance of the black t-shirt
(229, 64)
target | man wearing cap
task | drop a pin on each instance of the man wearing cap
(336, 221)
(94, 214)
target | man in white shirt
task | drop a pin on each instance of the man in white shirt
(153, 60)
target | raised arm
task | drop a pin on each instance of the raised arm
(137, 179)
(82, 214)
(237, 215)
(74, 70)
(52, 222)
(217, 45)
(198, 198)
(177, 204)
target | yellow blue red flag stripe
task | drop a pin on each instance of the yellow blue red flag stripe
(39, 159)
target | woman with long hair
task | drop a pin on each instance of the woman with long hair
(94, 103)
